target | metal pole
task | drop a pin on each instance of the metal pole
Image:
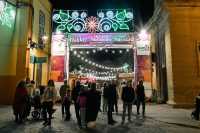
(34, 68)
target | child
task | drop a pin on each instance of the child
(67, 103)
(82, 104)
(37, 99)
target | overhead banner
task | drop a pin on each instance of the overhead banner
(57, 68)
(143, 47)
(58, 45)
(101, 38)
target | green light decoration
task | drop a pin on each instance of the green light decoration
(70, 21)
(125, 67)
(7, 14)
(106, 21)
(114, 20)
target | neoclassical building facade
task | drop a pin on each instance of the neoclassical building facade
(175, 45)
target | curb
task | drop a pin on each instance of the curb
(175, 123)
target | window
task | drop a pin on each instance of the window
(41, 26)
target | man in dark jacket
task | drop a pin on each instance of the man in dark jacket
(128, 96)
(63, 91)
(105, 97)
(111, 100)
(140, 97)
(75, 94)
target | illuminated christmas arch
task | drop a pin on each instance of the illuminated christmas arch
(78, 21)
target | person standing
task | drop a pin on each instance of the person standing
(140, 97)
(20, 99)
(63, 90)
(128, 96)
(111, 101)
(105, 97)
(48, 100)
(98, 89)
(67, 103)
(115, 97)
(82, 100)
(75, 94)
(92, 106)
(30, 88)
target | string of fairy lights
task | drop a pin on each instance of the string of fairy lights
(93, 76)
(107, 73)
(92, 63)
(101, 49)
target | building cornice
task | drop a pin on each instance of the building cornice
(152, 21)
(182, 3)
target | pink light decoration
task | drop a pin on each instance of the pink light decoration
(102, 37)
(92, 24)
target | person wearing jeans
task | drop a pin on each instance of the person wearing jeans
(82, 99)
(67, 103)
(111, 100)
(75, 94)
(63, 90)
(128, 96)
(48, 99)
(140, 97)
(105, 97)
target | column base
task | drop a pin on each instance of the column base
(180, 105)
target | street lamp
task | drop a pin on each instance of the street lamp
(41, 42)
(44, 39)
(143, 35)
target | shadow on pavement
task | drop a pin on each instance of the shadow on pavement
(10, 127)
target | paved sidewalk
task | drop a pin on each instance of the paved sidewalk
(166, 113)
(159, 119)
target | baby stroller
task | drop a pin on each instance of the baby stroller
(36, 103)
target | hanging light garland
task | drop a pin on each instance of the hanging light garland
(97, 72)
(105, 78)
(106, 50)
(96, 64)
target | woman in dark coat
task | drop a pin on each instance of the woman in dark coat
(92, 105)
(20, 100)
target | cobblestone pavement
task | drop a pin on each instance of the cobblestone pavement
(149, 124)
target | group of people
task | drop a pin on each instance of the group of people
(85, 97)
(129, 96)
(21, 105)
(86, 101)
(26, 94)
